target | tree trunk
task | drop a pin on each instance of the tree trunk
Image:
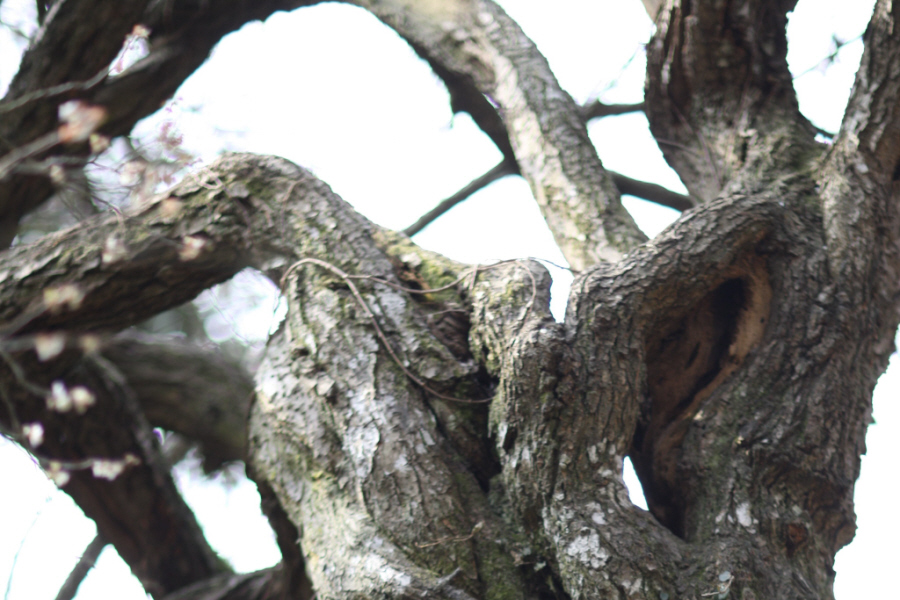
(425, 429)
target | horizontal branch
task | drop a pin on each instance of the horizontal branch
(597, 109)
(651, 191)
(626, 185)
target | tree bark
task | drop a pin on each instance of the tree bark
(424, 429)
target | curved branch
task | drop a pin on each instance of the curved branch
(205, 229)
(480, 45)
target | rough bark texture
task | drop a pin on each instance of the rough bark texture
(424, 429)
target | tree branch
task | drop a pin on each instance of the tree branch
(651, 191)
(195, 392)
(561, 441)
(136, 507)
(858, 181)
(481, 45)
(625, 185)
(501, 170)
(79, 572)
(208, 227)
(77, 41)
(88, 35)
(720, 98)
(597, 109)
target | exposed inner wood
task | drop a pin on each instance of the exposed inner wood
(688, 357)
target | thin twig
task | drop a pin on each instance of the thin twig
(473, 271)
(831, 57)
(117, 386)
(504, 168)
(56, 90)
(13, 415)
(19, 374)
(9, 162)
(79, 572)
(12, 568)
(455, 538)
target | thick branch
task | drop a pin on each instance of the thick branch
(209, 226)
(859, 177)
(134, 503)
(659, 360)
(195, 392)
(720, 97)
(479, 44)
(356, 386)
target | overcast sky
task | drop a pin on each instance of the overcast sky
(331, 89)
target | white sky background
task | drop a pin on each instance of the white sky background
(331, 89)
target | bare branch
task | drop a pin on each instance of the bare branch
(651, 191)
(502, 169)
(82, 568)
(626, 185)
(720, 98)
(597, 109)
(88, 35)
(859, 177)
(479, 44)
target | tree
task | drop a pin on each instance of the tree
(422, 427)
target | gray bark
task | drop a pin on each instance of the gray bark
(424, 429)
